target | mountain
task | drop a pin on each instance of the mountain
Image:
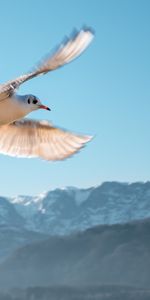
(13, 232)
(8, 215)
(103, 255)
(14, 238)
(24, 219)
(63, 211)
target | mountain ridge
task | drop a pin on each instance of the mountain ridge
(65, 210)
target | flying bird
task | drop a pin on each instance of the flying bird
(23, 137)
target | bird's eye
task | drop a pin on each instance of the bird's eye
(28, 101)
(34, 101)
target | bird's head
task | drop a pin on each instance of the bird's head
(34, 103)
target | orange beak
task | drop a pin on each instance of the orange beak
(44, 107)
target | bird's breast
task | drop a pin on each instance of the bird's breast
(10, 111)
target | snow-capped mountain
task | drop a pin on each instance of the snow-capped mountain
(62, 211)
(8, 214)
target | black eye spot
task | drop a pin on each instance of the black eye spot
(28, 101)
(34, 101)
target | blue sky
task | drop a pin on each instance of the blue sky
(106, 92)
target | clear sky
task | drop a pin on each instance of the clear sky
(106, 92)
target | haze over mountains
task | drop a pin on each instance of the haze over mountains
(104, 255)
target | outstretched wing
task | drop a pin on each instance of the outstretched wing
(65, 53)
(30, 138)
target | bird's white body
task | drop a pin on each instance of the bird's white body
(12, 109)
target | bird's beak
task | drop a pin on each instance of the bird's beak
(44, 107)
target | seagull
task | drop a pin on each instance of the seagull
(22, 137)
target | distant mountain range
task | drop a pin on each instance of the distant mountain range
(51, 239)
(68, 210)
(24, 219)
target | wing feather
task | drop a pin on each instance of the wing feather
(30, 138)
(65, 53)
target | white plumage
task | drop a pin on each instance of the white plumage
(29, 138)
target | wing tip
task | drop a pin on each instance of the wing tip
(87, 138)
(89, 29)
(84, 28)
